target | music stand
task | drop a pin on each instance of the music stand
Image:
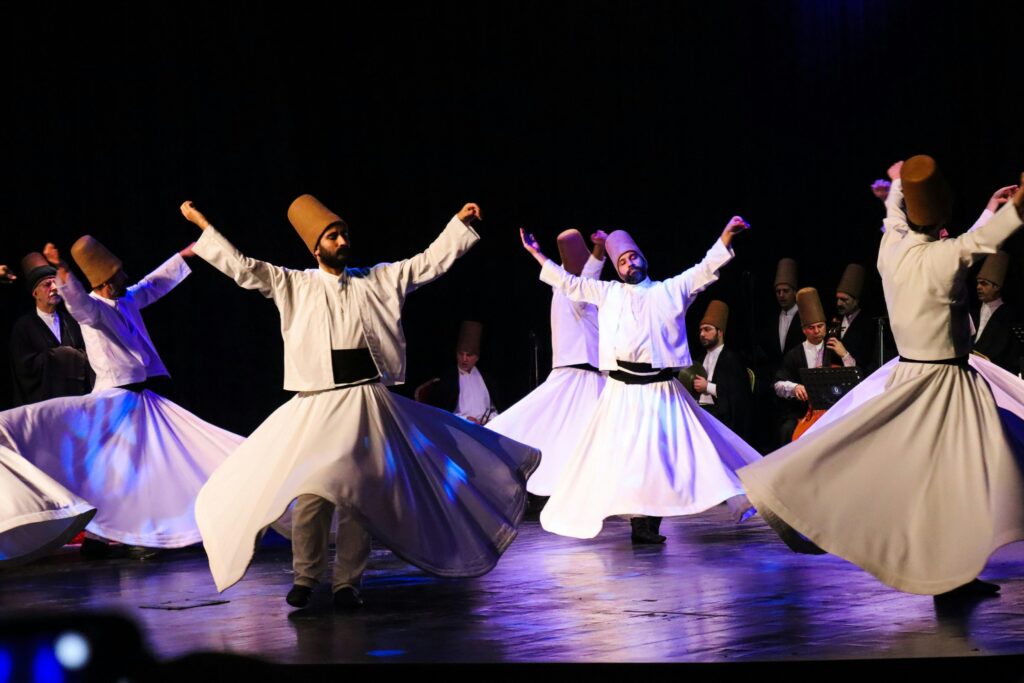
(825, 386)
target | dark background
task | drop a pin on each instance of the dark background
(661, 118)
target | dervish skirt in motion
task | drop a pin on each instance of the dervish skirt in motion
(552, 418)
(649, 449)
(139, 458)
(442, 493)
(37, 515)
(914, 476)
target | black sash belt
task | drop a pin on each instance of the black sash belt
(960, 361)
(640, 373)
(158, 384)
(353, 365)
(582, 366)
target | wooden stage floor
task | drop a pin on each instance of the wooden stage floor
(714, 593)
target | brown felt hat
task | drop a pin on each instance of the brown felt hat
(809, 304)
(311, 219)
(618, 243)
(925, 191)
(96, 261)
(785, 273)
(470, 333)
(573, 250)
(852, 282)
(717, 315)
(994, 268)
(35, 267)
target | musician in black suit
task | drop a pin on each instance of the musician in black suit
(993, 337)
(856, 330)
(726, 392)
(48, 356)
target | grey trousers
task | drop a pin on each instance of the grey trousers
(311, 526)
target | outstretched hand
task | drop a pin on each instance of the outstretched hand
(189, 211)
(187, 251)
(51, 253)
(531, 245)
(880, 188)
(1000, 197)
(599, 237)
(470, 213)
(894, 170)
(6, 276)
(735, 226)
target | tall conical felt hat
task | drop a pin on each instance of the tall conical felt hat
(717, 315)
(96, 261)
(809, 304)
(925, 191)
(994, 268)
(618, 243)
(573, 250)
(785, 273)
(311, 219)
(470, 333)
(35, 267)
(852, 282)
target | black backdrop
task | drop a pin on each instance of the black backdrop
(661, 118)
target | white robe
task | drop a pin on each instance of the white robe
(37, 515)
(440, 492)
(921, 483)
(647, 449)
(554, 416)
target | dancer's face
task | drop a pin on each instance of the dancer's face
(334, 247)
(632, 267)
(710, 337)
(815, 332)
(466, 360)
(988, 291)
(846, 304)
(786, 296)
(115, 287)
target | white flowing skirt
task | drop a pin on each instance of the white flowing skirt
(139, 458)
(552, 418)
(442, 493)
(649, 450)
(37, 515)
(915, 475)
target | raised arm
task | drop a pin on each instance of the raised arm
(216, 250)
(80, 305)
(584, 289)
(166, 277)
(691, 282)
(987, 238)
(456, 239)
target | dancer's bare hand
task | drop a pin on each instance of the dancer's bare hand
(62, 272)
(189, 211)
(51, 253)
(1000, 197)
(187, 251)
(529, 241)
(735, 226)
(6, 276)
(880, 188)
(470, 213)
(800, 392)
(599, 237)
(894, 170)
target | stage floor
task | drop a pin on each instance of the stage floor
(714, 593)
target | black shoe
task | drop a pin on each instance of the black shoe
(138, 552)
(974, 589)
(643, 533)
(298, 596)
(347, 597)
